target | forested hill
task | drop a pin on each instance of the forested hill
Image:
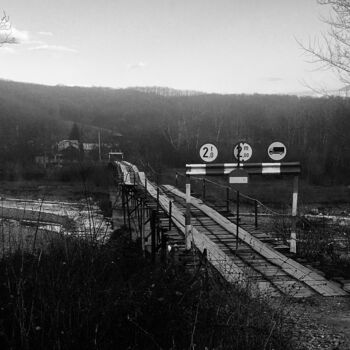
(167, 129)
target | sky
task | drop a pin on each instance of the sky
(222, 46)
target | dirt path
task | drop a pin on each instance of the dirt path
(322, 323)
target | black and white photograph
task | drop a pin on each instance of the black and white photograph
(175, 175)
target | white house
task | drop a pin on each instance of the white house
(64, 144)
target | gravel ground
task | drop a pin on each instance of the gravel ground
(321, 323)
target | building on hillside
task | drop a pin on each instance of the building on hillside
(65, 144)
(88, 147)
(68, 151)
(49, 160)
(42, 160)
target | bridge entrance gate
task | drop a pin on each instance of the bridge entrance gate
(220, 169)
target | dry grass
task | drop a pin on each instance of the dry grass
(81, 294)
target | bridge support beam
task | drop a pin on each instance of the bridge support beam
(142, 228)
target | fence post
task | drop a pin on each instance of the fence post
(293, 235)
(153, 236)
(203, 187)
(227, 199)
(256, 213)
(237, 214)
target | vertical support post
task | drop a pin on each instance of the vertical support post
(237, 214)
(227, 200)
(203, 188)
(128, 210)
(153, 236)
(188, 227)
(163, 247)
(295, 195)
(157, 199)
(256, 213)
(145, 188)
(293, 234)
(176, 179)
(123, 204)
(143, 227)
(238, 165)
(158, 230)
(138, 205)
(170, 213)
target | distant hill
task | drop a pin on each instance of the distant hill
(166, 127)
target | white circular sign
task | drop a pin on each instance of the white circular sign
(244, 150)
(208, 152)
(277, 151)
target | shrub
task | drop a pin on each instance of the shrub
(79, 294)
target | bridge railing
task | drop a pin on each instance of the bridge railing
(214, 254)
(252, 211)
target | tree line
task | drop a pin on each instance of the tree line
(167, 131)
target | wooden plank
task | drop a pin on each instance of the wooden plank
(293, 268)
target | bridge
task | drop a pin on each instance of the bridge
(236, 250)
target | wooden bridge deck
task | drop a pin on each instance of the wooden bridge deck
(248, 258)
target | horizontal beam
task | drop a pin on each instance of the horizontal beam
(250, 168)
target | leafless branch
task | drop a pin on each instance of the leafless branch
(5, 30)
(332, 49)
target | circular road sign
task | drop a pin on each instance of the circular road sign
(208, 152)
(277, 151)
(244, 150)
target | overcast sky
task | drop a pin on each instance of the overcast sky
(225, 46)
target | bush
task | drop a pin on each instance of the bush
(79, 294)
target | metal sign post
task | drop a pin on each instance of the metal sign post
(237, 212)
(242, 152)
(277, 151)
(188, 227)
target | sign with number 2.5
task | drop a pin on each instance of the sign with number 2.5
(208, 152)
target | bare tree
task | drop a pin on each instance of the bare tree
(332, 49)
(5, 31)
